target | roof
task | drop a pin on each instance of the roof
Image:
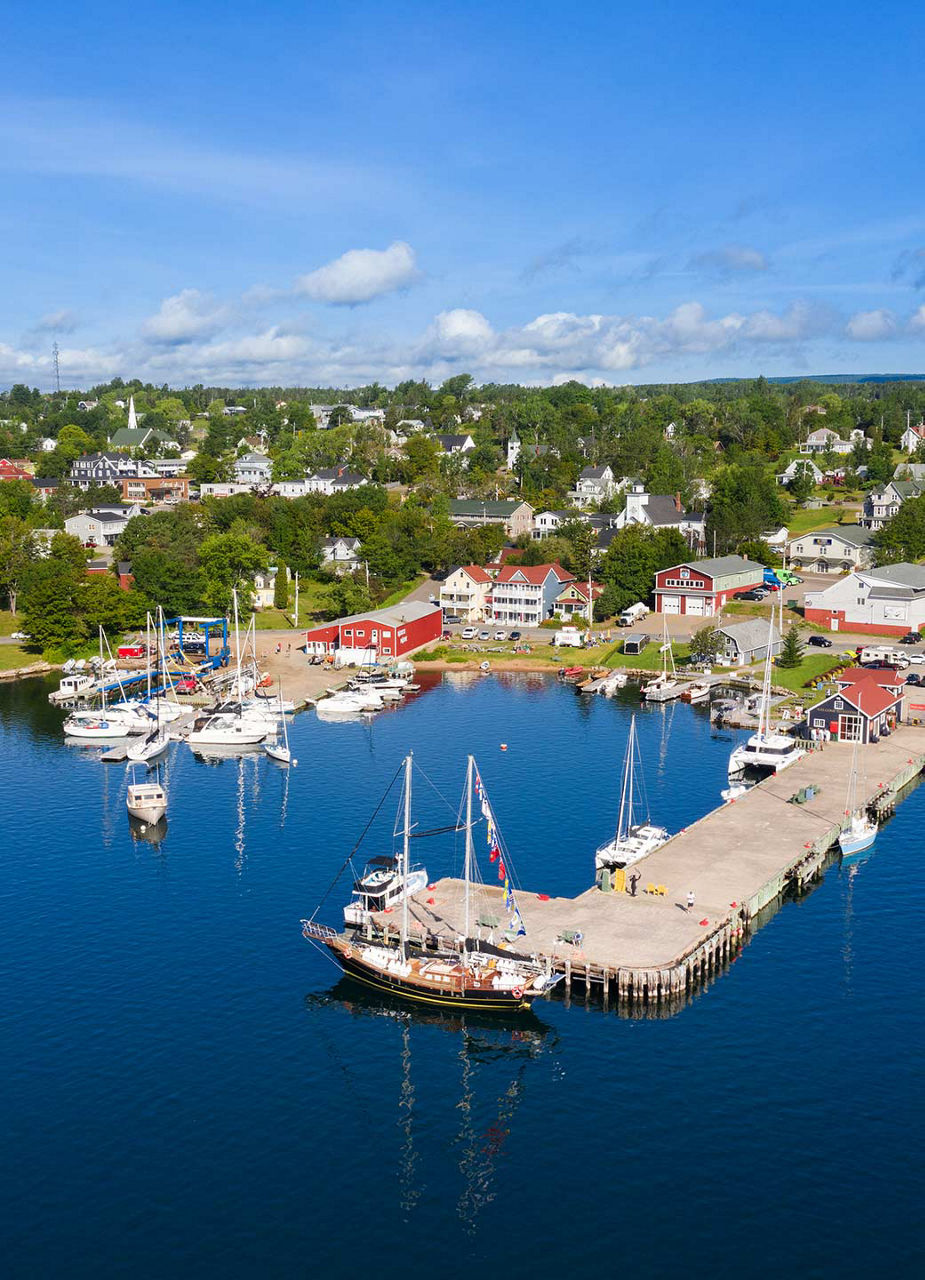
(135, 437)
(533, 573)
(870, 675)
(479, 506)
(721, 566)
(254, 459)
(661, 509)
(751, 633)
(593, 473)
(475, 572)
(854, 534)
(394, 616)
(581, 589)
(453, 441)
(900, 575)
(866, 697)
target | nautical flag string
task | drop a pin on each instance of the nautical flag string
(517, 924)
(495, 855)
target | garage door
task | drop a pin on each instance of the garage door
(671, 604)
(694, 606)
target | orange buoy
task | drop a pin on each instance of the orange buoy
(504, 746)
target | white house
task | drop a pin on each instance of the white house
(838, 549)
(265, 588)
(546, 523)
(101, 526)
(104, 468)
(333, 480)
(800, 467)
(890, 600)
(47, 444)
(912, 437)
(453, 444)
(253, 469)
(340, 554)
(464, 592)
(881, 505)
(594, 485)
(659, 511)
(825, 440)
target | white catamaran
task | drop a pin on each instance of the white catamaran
(765, 749)
(632, 840)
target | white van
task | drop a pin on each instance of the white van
(635, 613)
(570, 637)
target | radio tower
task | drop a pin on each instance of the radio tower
(54, 353)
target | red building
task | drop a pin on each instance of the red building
(702, 587)
(381, 635)
(13, 469)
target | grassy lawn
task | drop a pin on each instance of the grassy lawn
(400, 592)
(313, 599)
(812, 666)
(12, 656)
(9, 624)
(804, 521)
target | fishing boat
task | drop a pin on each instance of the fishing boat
(699, 691)
(474, 975)
(346, 704)
(765, 750)
(632, 840)
(279, 750)
(860, 831)
(146, 801)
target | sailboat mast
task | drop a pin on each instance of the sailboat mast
(404, 858)
(237, 644)
(626, 794)
(468, 859)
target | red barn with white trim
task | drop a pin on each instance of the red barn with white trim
(702, 587)
(380, 635)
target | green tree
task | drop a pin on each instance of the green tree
(281, 586)
(791, 650)
(348, 596)
(17, 555)
(634, 556)
(51, 603)
(228, 562)
(705, 644)
(902, 537)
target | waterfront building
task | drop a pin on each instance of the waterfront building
(464, 591)
(379, 635)
(861, 710)
(701, 587)
(742, 643)
(889, 600)
(525, 595)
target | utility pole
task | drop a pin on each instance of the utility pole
(295, 616)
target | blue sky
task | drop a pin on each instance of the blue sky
(317, 193)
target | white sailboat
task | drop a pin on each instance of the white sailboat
(860, 831)
(151, 747)
(232, 726)
(632, 840)
(117, 721)
(765, 749)
(277, 750)
(664, 686)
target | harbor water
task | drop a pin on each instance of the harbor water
(190, 1088)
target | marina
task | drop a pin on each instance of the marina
(181, 978)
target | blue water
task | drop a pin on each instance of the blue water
(189, 1088)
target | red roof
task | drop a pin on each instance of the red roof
(581, 589)
(476, 572)
(871, 675)
(869, 699)
(535, 573)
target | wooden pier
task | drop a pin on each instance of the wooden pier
(650, 951)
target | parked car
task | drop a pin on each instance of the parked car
(913, 679)
(756, 593)
(500, 635)
(451, 619)
(469, 633)
(515, 635)
(789, 579)
(911, 637)
(821, 642)
(20, 635)
(484, 635)
(917, 659)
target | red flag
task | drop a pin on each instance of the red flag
(502, 874)
(495, 854)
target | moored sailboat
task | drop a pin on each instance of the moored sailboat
(860, 831)
(472, 975)
(765, 749)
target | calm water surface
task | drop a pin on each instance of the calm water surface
(189, 1088)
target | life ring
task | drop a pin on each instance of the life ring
(518, 993)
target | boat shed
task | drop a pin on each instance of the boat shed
(702, 587)
(380, 635)
(747, 641)
(859, 712)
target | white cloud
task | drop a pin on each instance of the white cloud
(359, 275)
(62, 321)
(871, 326)
(917, 321)
(185, 316)
(730, 259)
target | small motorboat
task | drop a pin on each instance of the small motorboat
(146, 801)
(147, 750)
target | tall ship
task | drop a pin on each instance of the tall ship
(470, 973)
(632, 839)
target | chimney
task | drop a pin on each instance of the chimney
(677, 503)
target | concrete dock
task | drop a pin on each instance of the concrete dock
(650, 949)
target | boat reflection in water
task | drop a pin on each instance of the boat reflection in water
(494, 1058)
(150, 832)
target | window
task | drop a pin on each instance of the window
(818, 722)
(838, 704)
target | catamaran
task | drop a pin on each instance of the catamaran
(765, 749)
(860, 831)
(632, 840)
(475, 975)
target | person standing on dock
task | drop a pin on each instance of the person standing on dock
(690, 899)
(634, 880)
